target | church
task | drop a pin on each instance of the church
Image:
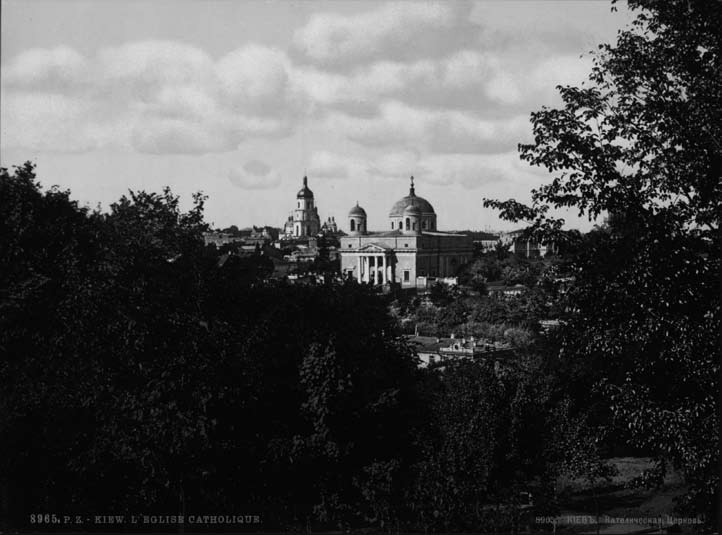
(412, 248)
(304, 221)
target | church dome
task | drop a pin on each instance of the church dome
(357, 211)
(304, 192)
(411, 199)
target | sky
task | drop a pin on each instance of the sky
(241, 99)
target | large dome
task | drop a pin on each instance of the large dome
(410, 200)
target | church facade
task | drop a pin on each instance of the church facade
(411, 248)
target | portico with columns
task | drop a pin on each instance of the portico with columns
(374, 265)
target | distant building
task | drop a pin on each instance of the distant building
(304, 220)
(220, 238)
(413, 247)
(434, 350)
(329, 226)
(526, 247)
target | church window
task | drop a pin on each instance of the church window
(424, 225)
(299, 204)
(408, 224)
(406, 245)
(407, 275)
(353, 225)
(392, 225)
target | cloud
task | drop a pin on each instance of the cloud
(56, 122)
(396, 165)
(474, 171)
(325, 164)
(241, 178)
(144, 66)
(402, 77)
(256, 77)
(256, 168)
(157, 97)
(470, 171)
(430, 130)
(58, 69)
(402, 30)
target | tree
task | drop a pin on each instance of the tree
(642, 144)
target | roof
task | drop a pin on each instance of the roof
(397, 210)
(376, 246)
(304, 192)
(357, 210)
(386, 234)
(422, 204)
(428, 344)
(438, 233)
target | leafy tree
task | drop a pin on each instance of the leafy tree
(140, 370)
(642, 144)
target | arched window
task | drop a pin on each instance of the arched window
(423, 225)
(353, 225)
(408, 224)
(392, 225)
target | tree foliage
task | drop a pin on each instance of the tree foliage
(641, 144)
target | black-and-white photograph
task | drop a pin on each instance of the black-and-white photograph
(358, 267)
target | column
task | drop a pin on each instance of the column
(383, 263)
(358, 273)
(366, 268)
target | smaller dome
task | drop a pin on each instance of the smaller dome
(304, 192)
(357, 211)
(412, 209)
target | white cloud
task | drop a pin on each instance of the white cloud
(56, 69)
(396, 165)
(393, 88)
(153, 96)
(257, 168)
(326, 164)
(255, 77)
(56, 122)
(474, 171)
(241, 178)
(470, 171)
(145, 65)
(393, 30)
(448, 131)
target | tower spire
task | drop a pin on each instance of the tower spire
(305, 181)
(412, 191)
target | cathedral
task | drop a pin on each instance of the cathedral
(411, 248)
(303, 221)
